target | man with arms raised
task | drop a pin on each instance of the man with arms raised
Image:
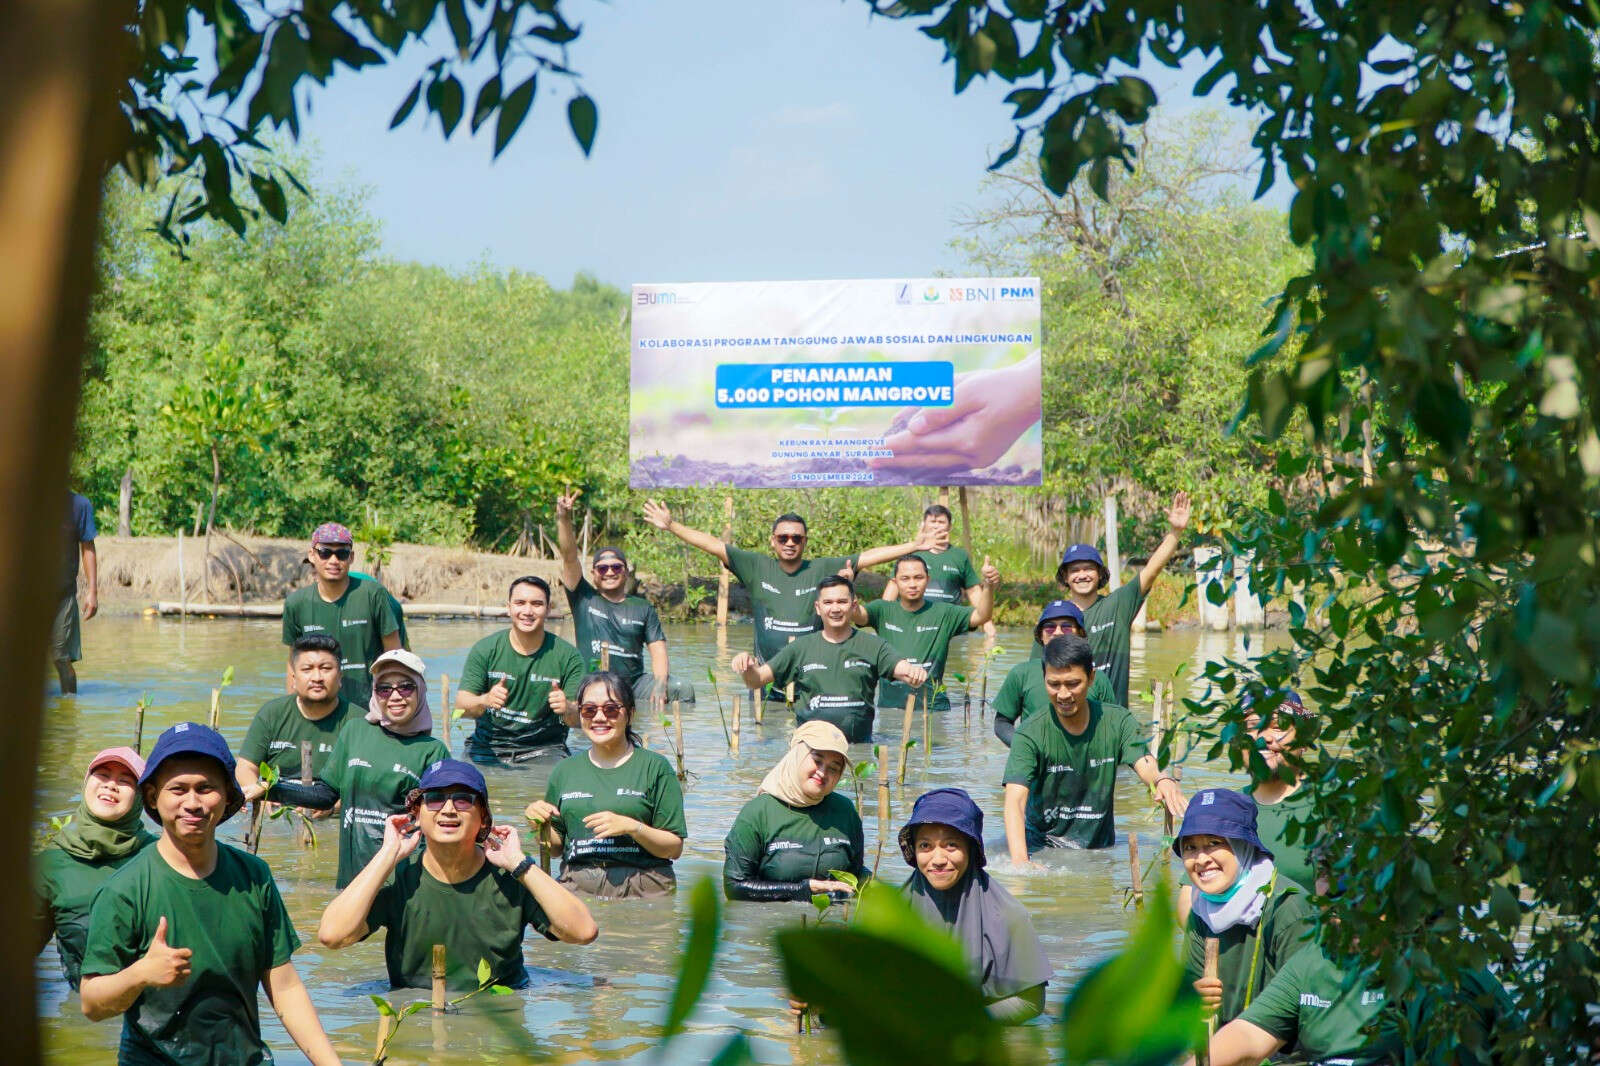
(182, 936)
(950, 571)
(920, 628)
(1061, 775)
(471, 889)
(313, 713)
(836, 670)
(606, 619)
(518, 684)
(783, 585)
(1109, 619)
(356, 612)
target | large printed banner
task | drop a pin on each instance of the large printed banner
(796, 383)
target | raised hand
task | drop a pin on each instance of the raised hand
(400, 833)
(497, 695)
(1178, 513)
(165, 965)
(502, 847)
(607, 824)
(848, 572)
(566, 501)
(558, 701)
(657, 514)
(991, 573)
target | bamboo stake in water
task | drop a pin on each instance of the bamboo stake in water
(756, 701)
(385, 1027)
(905, 734)
(1138, 875)
(883, 809)
(1202, 1056)
(927, 744)
(605, 656)
(788, 692)
(733, 742)
(438, 977)
(138, 723)
(216, 707)
(445, 712)
(677, 729)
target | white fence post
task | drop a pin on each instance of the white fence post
(1208, 562)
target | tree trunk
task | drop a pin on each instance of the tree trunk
(211, 516)
(125, 505)
(61, 63)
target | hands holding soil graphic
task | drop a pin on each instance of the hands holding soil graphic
(992, 409)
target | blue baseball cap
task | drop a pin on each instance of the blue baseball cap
(945, 806)
(1082, 553)
(1057, 609)
(1222, 813)
(192, 738)
(448, 772)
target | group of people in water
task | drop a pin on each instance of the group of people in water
(184, 929)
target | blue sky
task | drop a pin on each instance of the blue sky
(738, 141)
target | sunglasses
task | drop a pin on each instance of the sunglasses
(1058, 627)
(609, 568)
(332, 553)
(405, 688)
(589, 711)
(789, 538)
(435, 798)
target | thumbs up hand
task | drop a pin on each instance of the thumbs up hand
(165, 965)
(497, 695)
(991, 573)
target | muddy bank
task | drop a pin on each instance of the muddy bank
(135, 572)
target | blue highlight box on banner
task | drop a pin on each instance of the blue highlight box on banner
(749, 386)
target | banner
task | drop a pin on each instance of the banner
(808, 383)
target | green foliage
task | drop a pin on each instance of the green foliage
(699, 951)
(1447, 201)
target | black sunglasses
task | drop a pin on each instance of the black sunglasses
(789, 538)
(609, 568)
(333, 553)
(405, 688)
(435, 798)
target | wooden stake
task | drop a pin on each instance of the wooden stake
(788, 692)
(677, 729)
(905, 734)
(605, 656)
(252, 836)
(385, 1027)
(446, 713)
(722, 572)
(306, 777)
(544, 851)
(757, 703)
(733, 743)
(138, 726)
(438, 977)
(966, 522)
(883, 810)
(216, 707)
(944, 496)
(927, 744)
(1202, 1057)
(1138, 875)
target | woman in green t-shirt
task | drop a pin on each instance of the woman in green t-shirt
(99, 837)
(1282, 796)
(786, 842)
(1259, 919)
(616, 810)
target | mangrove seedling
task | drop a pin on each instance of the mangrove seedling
(716, 691)
(390, 1019)
(139, 710)
(269, 777)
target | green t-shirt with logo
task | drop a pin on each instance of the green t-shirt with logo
(783, 604)
(627, 628)
(1286, 925)
(1071, 780)
(373, 769)
(1308, 1006)
(63, 888)
(483, 917)
(644, 787)
(835, 682)
(358, 620)
(1293, 861)
(1023, 694)
(772, 841)
(235, 924)
(923, 636)
(526, 721)
(1109, 624)
(277, 730)
(950, 574)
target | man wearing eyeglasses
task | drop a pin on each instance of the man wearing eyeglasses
(782, 586)
(357, 612)
(471, 889)
(610, 623)
(1023, 694)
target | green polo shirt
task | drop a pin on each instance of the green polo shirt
(835, 682)
(772, 841)
(526, 721)
(1307, 1005)
(1023, 694)
(950, 574)
(359, 620)
(1071, 780)
(644, 788)
(625, 627)
(1109, 625)
(277, 730)
(783, 604)
(923, 636)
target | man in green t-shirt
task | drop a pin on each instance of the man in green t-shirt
(920, 628)
(836, 671)
(312, 714)
(471, 889)
(183, 937)
(782, 586)
(1109, 619)
(521, 684)
(1061, 774)
(1022, 694)
(612, 626)
(358, 613)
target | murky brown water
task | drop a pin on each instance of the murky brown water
(603, 1002)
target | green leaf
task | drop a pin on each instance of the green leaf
(699, 952)
(452, 100)
(1010, 153)
(845, 877)
(385, 1008)
(584, 118)
(512, 111)
(821, 902)
(485, 971)
(227, 677)
(885, 912)
(501, 990)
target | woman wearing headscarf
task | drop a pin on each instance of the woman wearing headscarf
(616, 810)
(375, 762)
(100, 836)
(1281, 796)
(943, 844)
(785, 842)
(1260, 919)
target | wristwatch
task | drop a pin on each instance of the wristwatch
(522, 867)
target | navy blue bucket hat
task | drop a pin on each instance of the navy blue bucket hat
(945, 806)
(1056, 609)
(1220, 812)
(447, 772)
(1082, 553)
(192, 739)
